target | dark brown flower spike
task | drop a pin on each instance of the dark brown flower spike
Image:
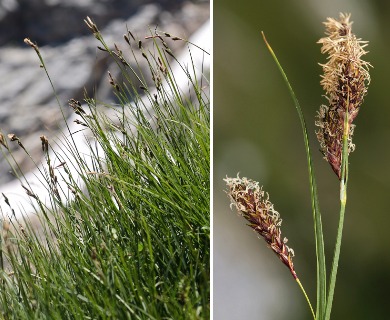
(345, 82)
(253, 204)
(45, 143)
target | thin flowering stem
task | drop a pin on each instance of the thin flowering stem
(307, 298)
(43, 65)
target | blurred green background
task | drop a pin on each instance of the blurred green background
(257, 133)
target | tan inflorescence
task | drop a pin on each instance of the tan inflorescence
(253, 204)
(345, 82)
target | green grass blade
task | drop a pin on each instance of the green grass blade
(321, 267)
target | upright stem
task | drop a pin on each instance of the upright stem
(343, 202)
(333, 275)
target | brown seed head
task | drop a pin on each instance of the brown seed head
(14, 137)
(253, 204)
(76, 106)
(92, 26)
(345, 82)
(31, 44)
(45, 143)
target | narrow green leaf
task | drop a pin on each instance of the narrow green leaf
(321, 267)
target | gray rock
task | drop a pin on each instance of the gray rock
(28, 106)
(53, 21)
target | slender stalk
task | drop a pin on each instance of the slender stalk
(320, 253)
(307, 298)
(343, 202)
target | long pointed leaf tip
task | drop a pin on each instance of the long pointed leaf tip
(345, 82)
(253, 204)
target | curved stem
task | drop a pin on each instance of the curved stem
(307, 298)
(319, 238)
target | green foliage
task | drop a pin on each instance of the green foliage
(336, 139)
(133, 243)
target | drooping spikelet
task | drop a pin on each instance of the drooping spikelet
(345, 82)
(253, 204)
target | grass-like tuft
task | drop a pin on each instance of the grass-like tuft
(125, 232)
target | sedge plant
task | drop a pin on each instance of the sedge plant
(345, 80)
(132, 240)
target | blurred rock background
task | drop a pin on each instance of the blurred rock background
(28, 107)
(257, 133)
